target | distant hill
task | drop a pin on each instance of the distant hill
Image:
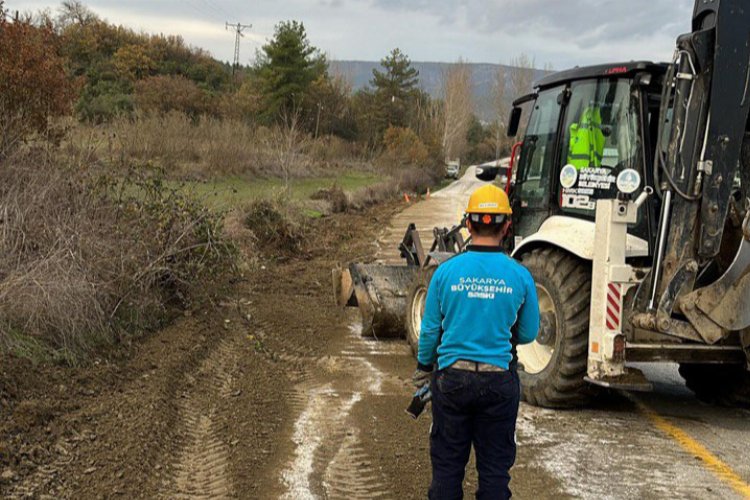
(359, 73)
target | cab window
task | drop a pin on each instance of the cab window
(538, 152)
(601, 125)
(600, 131)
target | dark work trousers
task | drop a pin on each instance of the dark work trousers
(479, 408)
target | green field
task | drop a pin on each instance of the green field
(232, 192)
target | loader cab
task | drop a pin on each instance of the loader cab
(589, 124)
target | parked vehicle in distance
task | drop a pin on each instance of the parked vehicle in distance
(452, 168)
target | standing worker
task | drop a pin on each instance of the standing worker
(478, 305)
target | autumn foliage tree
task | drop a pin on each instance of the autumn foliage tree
(34, 86)
(403, 147)
(111, 60)
(161, 94)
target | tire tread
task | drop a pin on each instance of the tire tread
(570, 278)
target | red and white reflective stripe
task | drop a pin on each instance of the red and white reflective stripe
(614, 306)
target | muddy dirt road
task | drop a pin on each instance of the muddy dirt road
(274, 394)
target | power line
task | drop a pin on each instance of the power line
(238, 30)
(215, 6)
(203, 11)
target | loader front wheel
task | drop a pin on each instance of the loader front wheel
(415, 301)
(723, 385)
(552, 368)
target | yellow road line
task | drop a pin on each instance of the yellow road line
(720, 468)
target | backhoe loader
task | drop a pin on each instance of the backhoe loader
(631, 209)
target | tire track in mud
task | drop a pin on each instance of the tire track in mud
(201, 465)
(329, 460)
(350, 474)
(41, 480)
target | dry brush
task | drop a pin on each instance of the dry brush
(87, 260)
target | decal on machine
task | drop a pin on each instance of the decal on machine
(581, 188)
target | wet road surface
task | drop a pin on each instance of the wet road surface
(352, 440)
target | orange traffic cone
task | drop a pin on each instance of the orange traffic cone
(406, 198)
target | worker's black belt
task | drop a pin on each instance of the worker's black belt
(472, 366)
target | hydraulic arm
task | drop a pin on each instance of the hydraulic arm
(708, 91)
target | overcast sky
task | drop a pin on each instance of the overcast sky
(561, 32)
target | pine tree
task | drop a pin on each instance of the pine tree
(395, 94)
(288, 66)
(400, 78)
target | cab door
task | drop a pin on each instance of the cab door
(538, 162)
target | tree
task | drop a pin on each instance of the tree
(392, 100)
(399, 80)
(161, 94)
(329, 106)
(403, 147)
(521, 77)
(480, 141)
(133, 62)
(458, 106)
(521, 74)
(34, 86)
(500, 108)
(395, 88)
(74, 12)
(287, 67)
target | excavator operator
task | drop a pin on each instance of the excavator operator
(473, 302)
(587, 140)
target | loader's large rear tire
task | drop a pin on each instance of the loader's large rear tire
(415, 301)
(552, 368)
(725, 385)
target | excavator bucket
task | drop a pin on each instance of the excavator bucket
(380, 293)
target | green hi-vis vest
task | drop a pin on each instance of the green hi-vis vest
(587, 140)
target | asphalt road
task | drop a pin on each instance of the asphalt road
(664, 444)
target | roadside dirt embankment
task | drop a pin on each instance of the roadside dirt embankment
(204, 408)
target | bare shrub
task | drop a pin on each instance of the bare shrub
(403, 147)
(416, 180)
(211, 147)
(500, 108)
(278, 226)
(458, 106)
(181, 145)
(413, 180)
(332, 150)
(86, 260)
(165, 93)
(286, 142)
(335, 196)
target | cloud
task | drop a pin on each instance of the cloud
(562, 32)
(589, 19)
(572, 27)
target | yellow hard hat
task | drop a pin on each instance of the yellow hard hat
(489, 199)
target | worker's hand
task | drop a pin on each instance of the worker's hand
(420, 378)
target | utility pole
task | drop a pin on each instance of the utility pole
(238, 29)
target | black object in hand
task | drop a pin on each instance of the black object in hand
(419, 401)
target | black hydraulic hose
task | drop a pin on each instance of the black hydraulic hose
(660, 163)
(666, 95)
(674, 185)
